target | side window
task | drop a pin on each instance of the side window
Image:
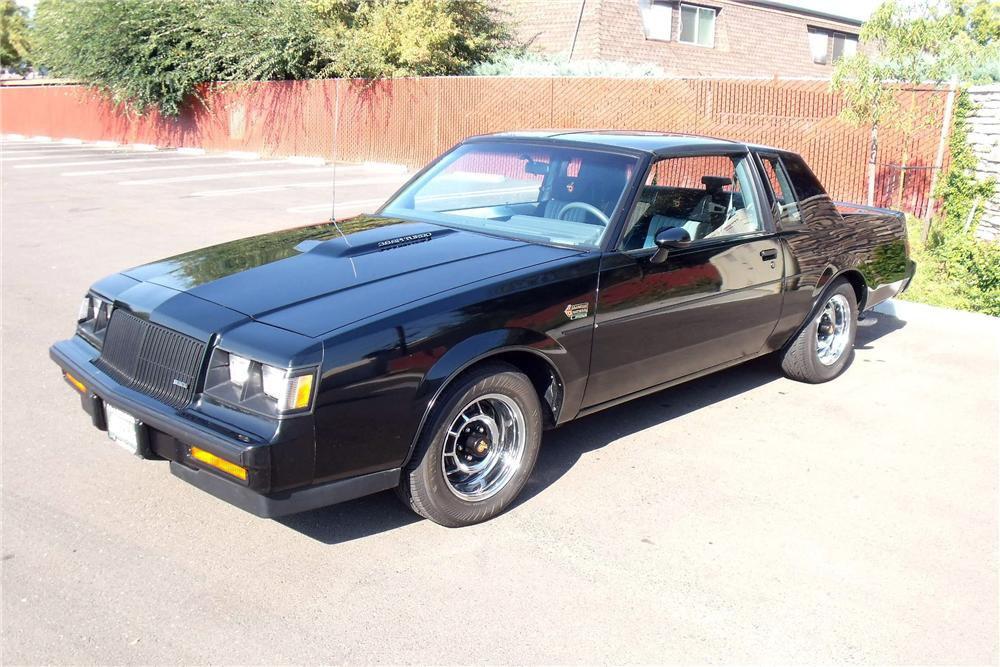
(785, 208)
(710, 196)
(801, 177)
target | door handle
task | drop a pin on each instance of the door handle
(769, 255)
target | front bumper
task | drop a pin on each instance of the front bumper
(169, 434)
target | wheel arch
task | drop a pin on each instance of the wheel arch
(853, 276)
(528, 351)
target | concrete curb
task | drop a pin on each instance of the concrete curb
(905, 310)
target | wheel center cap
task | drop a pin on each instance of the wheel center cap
(476, 443)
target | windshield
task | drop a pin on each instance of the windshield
(551, 194)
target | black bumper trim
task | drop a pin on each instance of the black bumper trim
(289, 502)
(70, 356)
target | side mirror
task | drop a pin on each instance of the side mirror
(672, 238)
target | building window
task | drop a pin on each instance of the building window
(844, 45)
(656, 17)
(697, 25)
(824, 42)
(819, 42)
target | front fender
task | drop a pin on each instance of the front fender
(490, 344)
(484, 345)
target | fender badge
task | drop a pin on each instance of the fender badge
(575, 311)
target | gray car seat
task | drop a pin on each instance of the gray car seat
(706, 216)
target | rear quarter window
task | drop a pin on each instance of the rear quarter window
(804, 182)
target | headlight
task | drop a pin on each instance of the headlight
(93, 317)
(258, 387)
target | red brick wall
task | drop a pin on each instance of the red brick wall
(411, 120)
(750, 40)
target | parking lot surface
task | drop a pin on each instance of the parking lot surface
(742, 517)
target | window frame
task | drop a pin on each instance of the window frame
(767, 223)
(698, 10)
(772, 197)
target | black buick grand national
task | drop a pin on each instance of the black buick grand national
(516, 283)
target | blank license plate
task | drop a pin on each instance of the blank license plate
(123, 428)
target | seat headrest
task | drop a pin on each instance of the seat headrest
(715, 183)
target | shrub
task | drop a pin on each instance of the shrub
(156, 53)
(385, 38)
(14, 42)
(954, 257)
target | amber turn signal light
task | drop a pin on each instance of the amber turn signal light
(208, 458)
(76, 384)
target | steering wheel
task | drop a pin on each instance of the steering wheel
(586, 207)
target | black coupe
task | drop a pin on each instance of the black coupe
(516, 283)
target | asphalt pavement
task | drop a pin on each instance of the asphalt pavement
(742, 517)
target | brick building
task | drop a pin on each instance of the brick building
(717, 38)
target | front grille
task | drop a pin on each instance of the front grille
(151, 359)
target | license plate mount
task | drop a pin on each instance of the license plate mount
(125, 430)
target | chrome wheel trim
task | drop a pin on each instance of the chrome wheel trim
(498, 420)
(833, 330)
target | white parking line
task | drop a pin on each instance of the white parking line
(55, 150)
(219, 177)
(61, 156)
(203, 165)
(124, 159)
(229, 192)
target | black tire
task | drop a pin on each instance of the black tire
(801, 359)
(424, 485)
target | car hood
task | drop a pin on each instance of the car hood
(312, 280)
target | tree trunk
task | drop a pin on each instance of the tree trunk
(872, 157)
(904, 162)
(939, 158)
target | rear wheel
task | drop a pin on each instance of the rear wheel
(825, 346)
(478, 448)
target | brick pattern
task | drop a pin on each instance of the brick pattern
(410, 121)
(750, 40)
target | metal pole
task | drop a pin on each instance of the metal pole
(579, 20)
(336, 147)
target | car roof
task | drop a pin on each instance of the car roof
(636, 140)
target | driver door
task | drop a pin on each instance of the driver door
(713, 302)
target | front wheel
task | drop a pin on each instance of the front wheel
(824, 347)
(478, 450)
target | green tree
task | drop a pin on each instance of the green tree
(14, 39)
(139, 51)
(908, 45)
(388, 38)
(158, 53)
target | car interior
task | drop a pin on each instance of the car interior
(568, 196)
(714, 210)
